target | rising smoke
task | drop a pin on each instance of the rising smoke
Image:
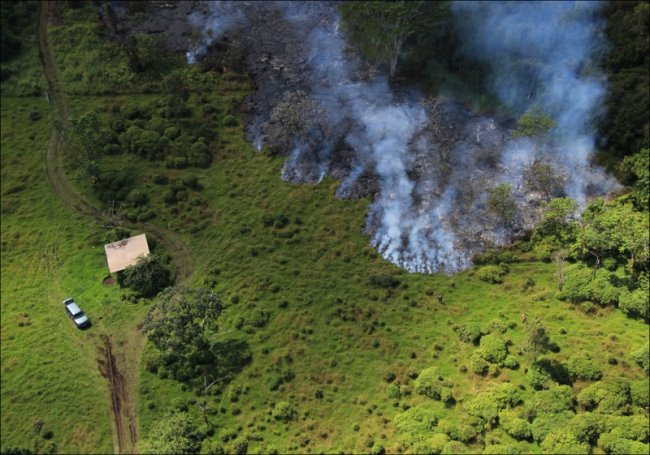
(541, 55)
(432, 160)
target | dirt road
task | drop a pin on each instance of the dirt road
(121, 405)
(119, 368)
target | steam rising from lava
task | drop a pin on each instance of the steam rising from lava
(429, 213)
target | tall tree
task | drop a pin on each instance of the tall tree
(537, 341)
(502, 203)
(179, 326)
(382, 28)
(86, 139)
(147, 276)
(175, 433)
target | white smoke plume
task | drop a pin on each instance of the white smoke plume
(429, 211)
(541, 55)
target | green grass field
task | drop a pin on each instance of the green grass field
(338, 334)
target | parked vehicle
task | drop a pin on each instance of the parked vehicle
(75, 313)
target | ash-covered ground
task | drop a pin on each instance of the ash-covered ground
(428, 164)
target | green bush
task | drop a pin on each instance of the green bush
(454, 447)
(111, 149)
(583, 284)
(640, 392)
(633, 427)
(607, 398)
(510, 362)
(496, 326)
(486, 405)
(137, 198)
(581, 367)
(393, 391)
(172, 132)
(565, 442)
(384, 281)
(613, 443)
(416, 424)
(635, 304)
(160, 179)
(586, 427)
(458, 430)
(544, 424)
(494, 257)
(539, 378)
(502, 204)
(438, 442)
(258, 318)
(493, 348)
(148, 276)
(492, 273)
(173, 434)
(479, 365)
(469, 333)
(284, 412)
(515, 426)
(431, 384)
(191, 182)
(642, 358)
(552, 401)
(230, 120)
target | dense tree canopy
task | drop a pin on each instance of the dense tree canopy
(387, 31)
(179, 324)
(176, 433)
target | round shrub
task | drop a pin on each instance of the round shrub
(544, 424)
(515, 426)
(469, 333)
(493, 348)
(430, 383)
(496, 326)
(160, 179)
(640, 392)
(582, 367)
(230, 120)
(35, 115)
(635, 304)
(552, 401)
(486, 405)
(492, 273)
(478, 365)
(642, 357)
(438, 442)
(284, 412)
(510, 362)
(538, 378)
(563, 441)
(172, 132)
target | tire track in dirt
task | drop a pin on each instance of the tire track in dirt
(122, 413)
(122, 406)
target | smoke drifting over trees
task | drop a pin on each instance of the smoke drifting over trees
(430, 165)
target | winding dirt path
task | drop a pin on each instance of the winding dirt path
(54, 159)
(121, 370)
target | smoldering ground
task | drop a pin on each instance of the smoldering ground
(427, 163)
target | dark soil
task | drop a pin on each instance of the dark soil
(120, 404)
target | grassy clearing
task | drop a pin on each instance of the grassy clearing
(294, 270)
(342, 334)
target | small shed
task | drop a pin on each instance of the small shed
(123, 253)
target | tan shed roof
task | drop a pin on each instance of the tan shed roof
(124, 253)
